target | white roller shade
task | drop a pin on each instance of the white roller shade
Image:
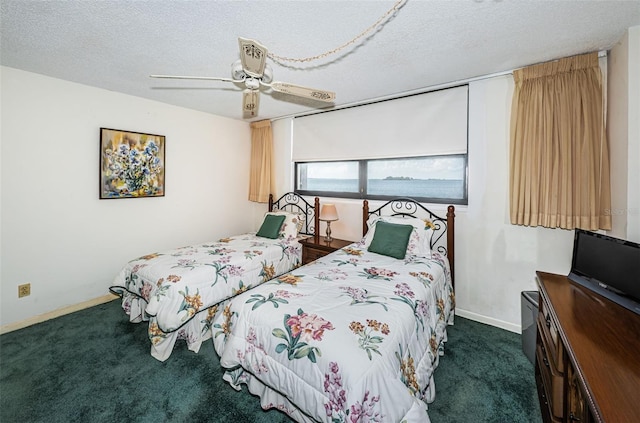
(420, 125)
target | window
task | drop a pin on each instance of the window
(413, 146)
(437, 179)
(338, 177)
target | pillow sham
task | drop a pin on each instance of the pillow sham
(391, 239)
(271, 226)
(420, 239)
(292, 225)
(298, 220)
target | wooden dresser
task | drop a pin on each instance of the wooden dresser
(587, 363)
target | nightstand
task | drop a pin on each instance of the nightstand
(312, 251)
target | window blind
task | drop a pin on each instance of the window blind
(433, 123)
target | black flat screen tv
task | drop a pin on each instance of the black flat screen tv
(608, 266)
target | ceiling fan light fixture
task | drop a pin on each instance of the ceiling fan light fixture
(250, 102)
(253, 71)
(253, 56)
(252, 83)
(267, 75)
(237, 72)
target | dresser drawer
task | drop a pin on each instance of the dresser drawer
(543, 396)
(548, 331)
(552, 381)
(577, 407)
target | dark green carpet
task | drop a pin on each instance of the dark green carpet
(95, 366)
(484, 377)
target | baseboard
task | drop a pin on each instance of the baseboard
(489, 321)
(57, 313)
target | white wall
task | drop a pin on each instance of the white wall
(57, 234)
(633, 195)
(495, 260)
(633, 172)
(618, 132)
(624, 134)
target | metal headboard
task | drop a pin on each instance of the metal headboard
(293, 203)
(408, 207)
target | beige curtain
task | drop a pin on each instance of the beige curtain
(261, 180)
(559, 156)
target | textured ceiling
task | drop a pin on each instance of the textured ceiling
(116, 45)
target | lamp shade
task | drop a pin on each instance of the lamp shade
(328, 212)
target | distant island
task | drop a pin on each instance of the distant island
(398, 178)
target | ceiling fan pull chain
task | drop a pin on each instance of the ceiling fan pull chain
(384, 17)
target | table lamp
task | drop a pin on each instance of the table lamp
(328, 213)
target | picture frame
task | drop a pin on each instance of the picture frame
(132, 164)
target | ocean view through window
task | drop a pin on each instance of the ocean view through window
(439, 179)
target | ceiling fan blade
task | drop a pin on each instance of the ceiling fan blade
(300, 91)
(253, 56)
(250, 102)
(207, 78)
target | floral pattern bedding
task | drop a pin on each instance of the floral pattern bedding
(352, 337)
(177, 290)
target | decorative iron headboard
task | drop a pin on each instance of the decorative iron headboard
(293, 203)
(408, 207)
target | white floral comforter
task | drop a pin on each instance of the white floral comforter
(352, 337)
(174, 289)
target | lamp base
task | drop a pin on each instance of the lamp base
(328, 237)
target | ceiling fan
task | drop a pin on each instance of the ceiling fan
(253, 71)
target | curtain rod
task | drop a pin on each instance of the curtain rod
(602, 53)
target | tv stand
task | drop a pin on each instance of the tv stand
(587, 367)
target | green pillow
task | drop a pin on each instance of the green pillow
(271, 226)
(390, 239)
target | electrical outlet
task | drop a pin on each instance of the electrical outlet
(24, 290)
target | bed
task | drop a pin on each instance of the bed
(179, 291)
(356, 335)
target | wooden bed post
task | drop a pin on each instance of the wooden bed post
(451, 241)
(270, 202)
(316, 220)
(365, 216)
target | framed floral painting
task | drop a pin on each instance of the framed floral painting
(131, 164)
